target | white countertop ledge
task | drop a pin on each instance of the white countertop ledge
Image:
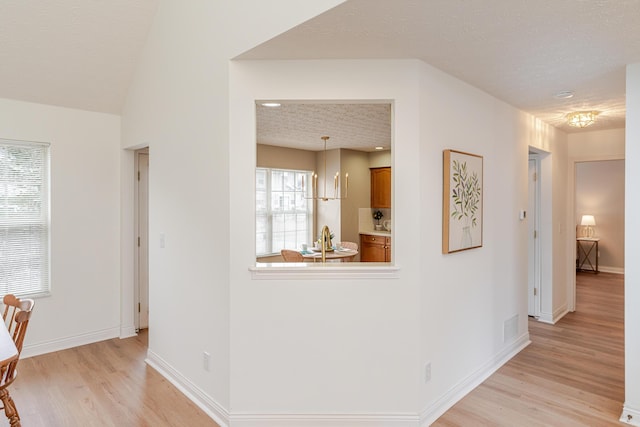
(319, 271)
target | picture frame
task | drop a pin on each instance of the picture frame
(462, 201)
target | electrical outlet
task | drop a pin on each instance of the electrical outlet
(427, 372)
(206, 360)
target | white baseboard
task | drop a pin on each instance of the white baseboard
(128, 332)
(460, 390)
(225, 419)
(614, 270)
(630, 416)
(324, 420)
(212, 408)
(553, 318)
(68, 342)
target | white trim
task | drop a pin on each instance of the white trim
(317, 270)
(571, 193)
(324, 420)
(553, 318)
(69, 342)
(630, 416)
(455, 394)
(128, 331)
(613, 270)
(212, 408)
(537, 265)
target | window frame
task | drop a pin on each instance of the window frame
(269, 212)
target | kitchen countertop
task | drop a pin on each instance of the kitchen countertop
(376, 233)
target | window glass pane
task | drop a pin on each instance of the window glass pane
(261, 179)
(284, 218)
(24, 217)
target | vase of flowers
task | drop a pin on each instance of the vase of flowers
(377, 215)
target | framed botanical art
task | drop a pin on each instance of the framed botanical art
(461, 201)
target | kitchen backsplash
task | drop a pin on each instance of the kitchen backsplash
(366, 222)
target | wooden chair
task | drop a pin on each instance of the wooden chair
(16, 317)
(349, 245)
(291, 256)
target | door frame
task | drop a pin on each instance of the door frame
(535, 217)
(571, 237)
(136, 226)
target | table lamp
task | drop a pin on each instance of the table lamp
(589, 221)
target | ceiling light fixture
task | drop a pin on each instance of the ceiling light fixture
(379, 148)
(271, 104)
(563, 94)
(582, 119)
(336, 182)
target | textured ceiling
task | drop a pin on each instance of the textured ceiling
(72, 53)
(520, 51)
(298, 125)
(82, 53)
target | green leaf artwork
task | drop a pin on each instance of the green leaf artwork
(465, 194)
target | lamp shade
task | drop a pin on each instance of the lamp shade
(588, 220)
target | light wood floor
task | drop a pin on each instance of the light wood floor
(571, 375)
(101, 384)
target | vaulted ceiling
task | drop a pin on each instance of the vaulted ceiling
(82, 54)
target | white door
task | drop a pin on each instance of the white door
(143, 240)
(533, 289)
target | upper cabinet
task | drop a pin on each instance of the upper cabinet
(381, 187)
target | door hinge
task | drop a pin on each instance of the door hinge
(535, 235)
(138, 241)
(138, 307)
(535, 176)
(138, 175)
(535, 292)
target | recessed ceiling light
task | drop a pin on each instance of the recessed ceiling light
(379, 148)
(563, 94)
(271, 104)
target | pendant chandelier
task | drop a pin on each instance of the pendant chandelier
(336, 182)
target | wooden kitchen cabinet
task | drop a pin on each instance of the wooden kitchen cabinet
(381, 187)
(375, 248)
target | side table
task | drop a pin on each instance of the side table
(585, 246)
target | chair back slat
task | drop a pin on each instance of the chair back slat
(16, 315)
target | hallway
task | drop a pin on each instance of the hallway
(572, 374)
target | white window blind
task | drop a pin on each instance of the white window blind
(24, 217)
(284, 217)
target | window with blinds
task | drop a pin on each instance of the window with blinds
(24, 218)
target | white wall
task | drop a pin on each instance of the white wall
(84, 305)
(331, 346)
(439, 307)
(178, 105)
(632, 249)
(467, 297)
(597, 145)
(281, 348)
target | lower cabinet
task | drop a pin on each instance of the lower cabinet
(375, 248)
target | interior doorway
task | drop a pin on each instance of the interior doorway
(141, 285)
(533, 226)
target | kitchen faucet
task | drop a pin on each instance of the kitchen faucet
(325, 242)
